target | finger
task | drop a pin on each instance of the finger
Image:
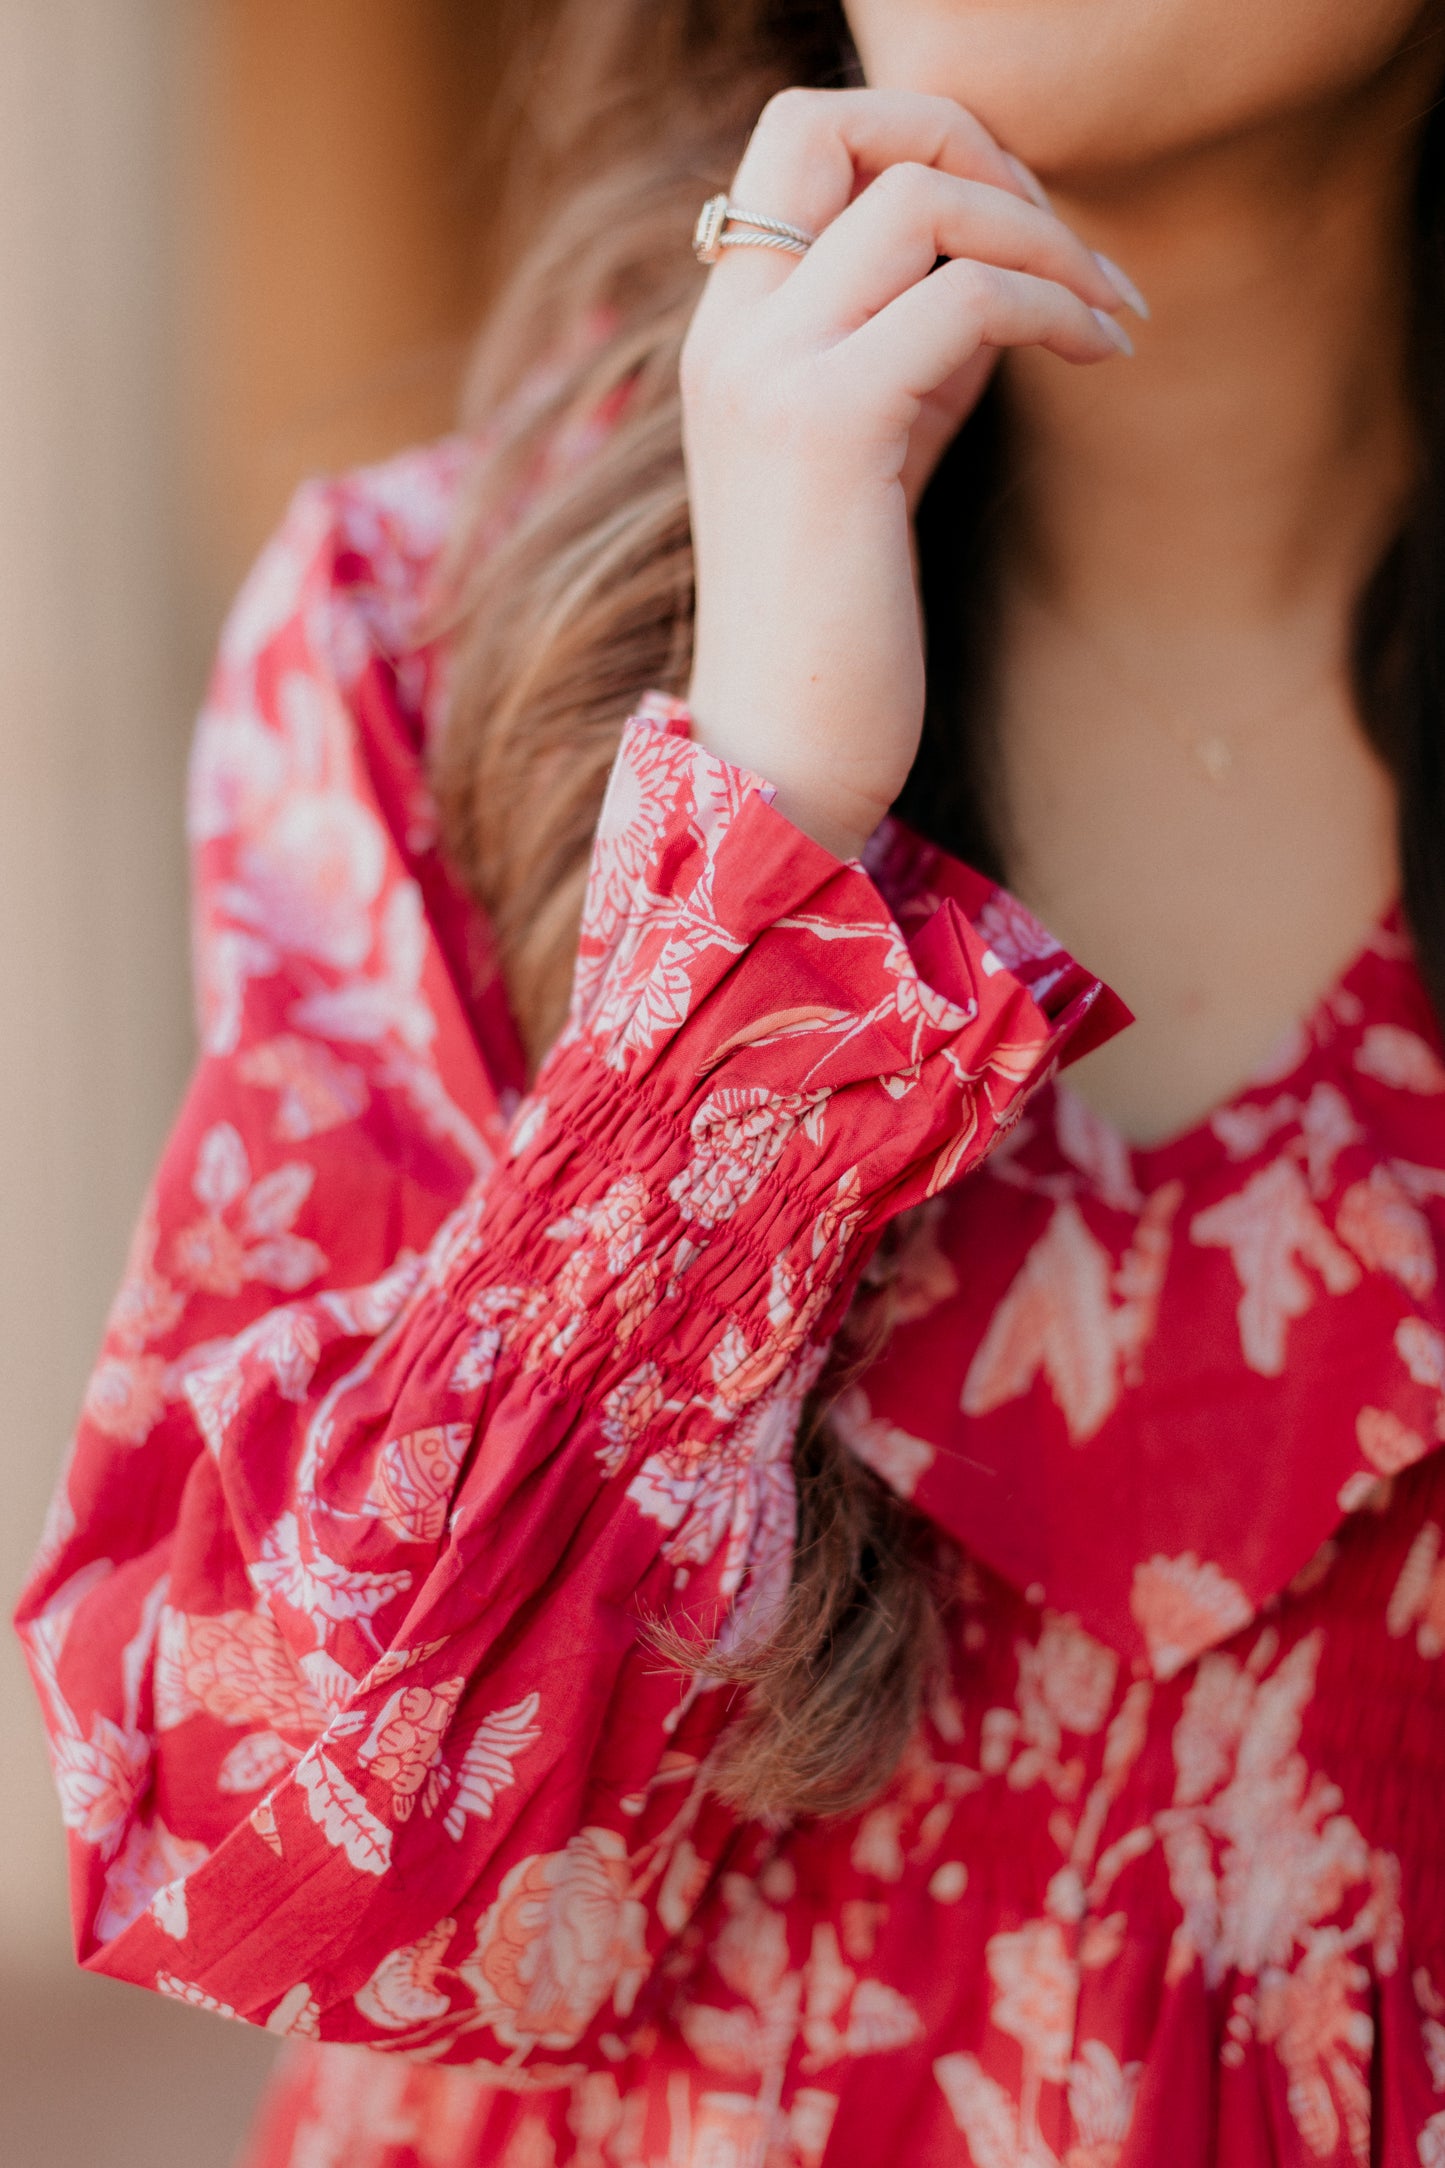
(894, 233)
(812, 148)
(932, 330)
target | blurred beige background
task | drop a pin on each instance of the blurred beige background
(240, 240)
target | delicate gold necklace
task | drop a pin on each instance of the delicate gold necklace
(1215, 752)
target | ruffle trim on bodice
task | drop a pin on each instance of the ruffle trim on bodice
(1158, 1381)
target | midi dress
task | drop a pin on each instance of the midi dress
(431, 1392)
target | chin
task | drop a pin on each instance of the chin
(1069, 88)
(1089, 91)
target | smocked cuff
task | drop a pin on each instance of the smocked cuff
(763, 1066)
(724, 951)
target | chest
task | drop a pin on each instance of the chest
(1218, 900)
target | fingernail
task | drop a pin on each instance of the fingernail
(1116, 331)
(1030, 183)
(1123, 286)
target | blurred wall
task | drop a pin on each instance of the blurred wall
(239, 240)
(92, 1021)
(343, 216)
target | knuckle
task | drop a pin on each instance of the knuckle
(933, 104)
(926, 108)
(977, 286)
(910, 188)
(795, 110)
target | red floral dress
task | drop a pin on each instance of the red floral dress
(422, 1390)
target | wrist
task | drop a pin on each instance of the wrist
(833, 816)
(824, 823)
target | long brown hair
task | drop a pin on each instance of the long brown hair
(573, 576)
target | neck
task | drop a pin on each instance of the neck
(1245, 468)
(1178, 761)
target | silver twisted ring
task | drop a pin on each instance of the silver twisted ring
(715, 231)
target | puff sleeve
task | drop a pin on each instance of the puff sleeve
(423, 1397)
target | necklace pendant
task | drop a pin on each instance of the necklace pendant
(1216, 758)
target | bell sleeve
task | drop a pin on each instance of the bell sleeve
(341, 1628)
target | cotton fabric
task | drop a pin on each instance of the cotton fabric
(424, 1392)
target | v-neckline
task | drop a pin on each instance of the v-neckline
(1196, 1143)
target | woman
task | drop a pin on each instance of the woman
(638, 1569)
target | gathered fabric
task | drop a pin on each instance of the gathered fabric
(430, 1393)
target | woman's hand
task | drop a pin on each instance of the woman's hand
(819, 393)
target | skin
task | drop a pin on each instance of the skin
(1190, 524)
